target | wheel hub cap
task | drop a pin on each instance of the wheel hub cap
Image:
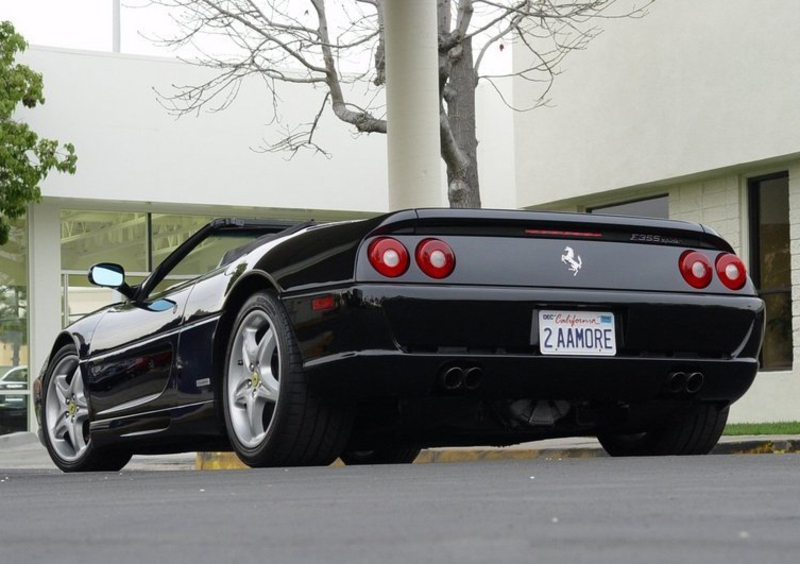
(253, 378)
(67, 410)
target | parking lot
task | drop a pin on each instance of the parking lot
(693, 509)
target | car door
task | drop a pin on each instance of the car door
(132, 354)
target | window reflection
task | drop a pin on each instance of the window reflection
(89, 237)
(770, 265)
(14, 330)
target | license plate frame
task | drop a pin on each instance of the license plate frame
(577, 333)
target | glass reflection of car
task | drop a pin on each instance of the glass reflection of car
(15, 379)
(13, 406)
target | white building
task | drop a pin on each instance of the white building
(691, 113)
(696, 107)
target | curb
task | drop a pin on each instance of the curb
(787, 446)
(229, 461)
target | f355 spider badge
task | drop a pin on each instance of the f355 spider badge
(572, 260)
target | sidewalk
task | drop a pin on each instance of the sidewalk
(20, 451)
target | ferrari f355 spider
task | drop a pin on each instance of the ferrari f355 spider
(369, 340)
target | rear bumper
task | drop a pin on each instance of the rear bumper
(404, 375)
(392, 340)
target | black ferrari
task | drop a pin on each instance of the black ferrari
(369, 340)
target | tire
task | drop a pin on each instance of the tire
(695, 431)
(65, 420)
(381, 456)
(270, 417)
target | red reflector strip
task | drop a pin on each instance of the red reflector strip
(556, 233)
(323, 303)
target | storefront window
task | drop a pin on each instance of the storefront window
(89, 237)
(79, 297)
(770, 265)
(169, 231)
(139, 242)
(14, 377)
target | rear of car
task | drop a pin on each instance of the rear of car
(477, 326)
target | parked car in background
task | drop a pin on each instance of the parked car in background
(13, 406)
(14, 379)
(369, 340)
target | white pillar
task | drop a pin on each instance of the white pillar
(412, 99)
(44, 286)
(115, 26)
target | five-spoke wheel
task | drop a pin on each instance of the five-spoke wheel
(253, 378)
(67, 410)
(271, 417)
(65, 417)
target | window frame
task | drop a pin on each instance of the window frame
(753, 185)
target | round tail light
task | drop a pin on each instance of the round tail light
(388, 256)
(435, 258)
(695, 269)
(731, 271)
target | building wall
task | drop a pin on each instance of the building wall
(674, 94)
(130, 149)
(496, 152)
(716, 202)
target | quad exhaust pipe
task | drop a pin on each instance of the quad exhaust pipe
(455, 378)
(694, 382)
(473, 377)
(452, 378)
(676, 382)
(690, 383)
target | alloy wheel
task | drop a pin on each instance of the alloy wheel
(253, 378)
(67, 410)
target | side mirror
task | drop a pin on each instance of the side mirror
(107, 275)
(110, 275)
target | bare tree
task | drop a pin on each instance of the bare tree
(297, 44)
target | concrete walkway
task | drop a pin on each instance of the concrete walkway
(22, 451)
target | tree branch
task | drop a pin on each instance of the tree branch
(364, 121)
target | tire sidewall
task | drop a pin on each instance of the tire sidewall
(267, 303)
(665, 439)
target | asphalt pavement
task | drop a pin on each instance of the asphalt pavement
(725, 509)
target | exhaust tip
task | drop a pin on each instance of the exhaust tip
(452, 378)
(473, 377)
(694, 382)
(676, 382)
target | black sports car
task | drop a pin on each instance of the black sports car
(368, 340)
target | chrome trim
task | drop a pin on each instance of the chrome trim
(147, 432)
(145, 413)
(129, 404)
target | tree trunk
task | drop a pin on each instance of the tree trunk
(463, 187)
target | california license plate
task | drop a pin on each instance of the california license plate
(587, 333)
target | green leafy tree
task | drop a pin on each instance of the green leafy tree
(25, 159)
